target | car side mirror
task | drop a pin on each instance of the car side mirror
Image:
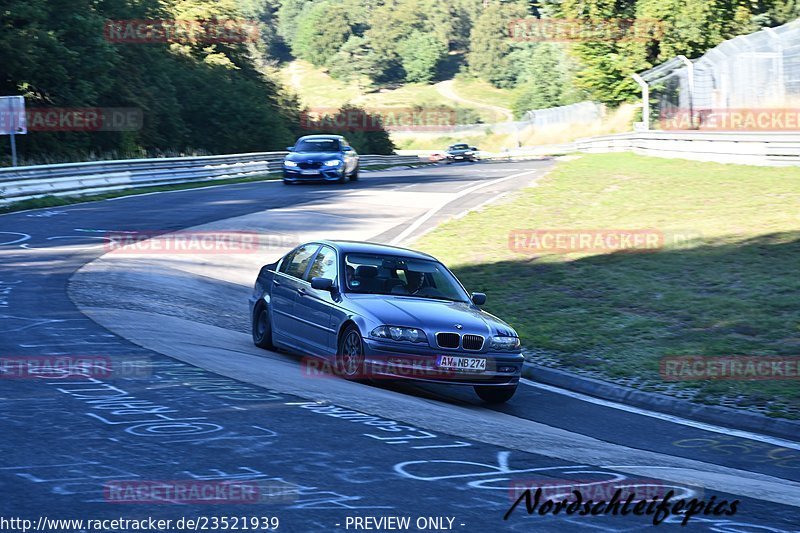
(321, 284)
(478, 298)
(347, 149)
(473, 148)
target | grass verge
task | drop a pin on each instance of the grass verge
(728, 288)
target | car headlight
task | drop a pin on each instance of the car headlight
(397, 333)
(468, 153)
(500, 342)
(332, 163)
(291, 164)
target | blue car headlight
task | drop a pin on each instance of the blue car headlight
(398, 333)
(290, 164)
(502, 342)
(332, 163)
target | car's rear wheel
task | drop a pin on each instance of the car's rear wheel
(350, 356)
(262, 330)
(354, 175)
(495, 394)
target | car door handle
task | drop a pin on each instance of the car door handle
(301, 291)
(276, 282)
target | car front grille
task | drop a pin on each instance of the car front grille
(310, 165)
(447, 340)
(451, 340)
(472, 342)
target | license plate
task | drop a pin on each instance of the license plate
(309, 172)
(461, 363)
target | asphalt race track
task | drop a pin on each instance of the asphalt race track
(205, 404)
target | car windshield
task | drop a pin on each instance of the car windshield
(402, 276)
(460, 147)
(317, 145)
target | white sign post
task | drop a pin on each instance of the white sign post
(12, 121)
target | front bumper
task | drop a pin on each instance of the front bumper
(402, 361)
(460, 158)
(321, 174)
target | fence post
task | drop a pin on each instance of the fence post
(690, 74)
(645, 101)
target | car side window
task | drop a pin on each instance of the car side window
(287, 259)
(324, 265)
(295, 264)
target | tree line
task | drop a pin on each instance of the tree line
(199, 93)
(386, 41)
(223, 95)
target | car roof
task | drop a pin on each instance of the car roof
(321, 136)
(374, 248)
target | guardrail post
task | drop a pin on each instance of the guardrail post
(645, 101)
(13, 150)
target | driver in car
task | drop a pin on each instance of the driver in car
(416, 286)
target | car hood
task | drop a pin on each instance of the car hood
(313, 157)
(429, 315)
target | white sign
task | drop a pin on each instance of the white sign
(12, 115)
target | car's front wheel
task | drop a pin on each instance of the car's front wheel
(495, 394)
(262, 329)
(350, 356)
(354, 175)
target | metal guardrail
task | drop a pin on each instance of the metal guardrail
(75, 179)
(744, 148)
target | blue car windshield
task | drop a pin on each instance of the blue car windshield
(317, 145)
(401, 276)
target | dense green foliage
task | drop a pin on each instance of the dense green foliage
(217, 97)
(364, 131)
(427, 40)
(194, 95)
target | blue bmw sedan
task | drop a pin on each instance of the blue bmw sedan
(375, 311)
(320, 158)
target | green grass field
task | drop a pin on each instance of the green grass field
(483, 91)
(317, 89)
(728, 285)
